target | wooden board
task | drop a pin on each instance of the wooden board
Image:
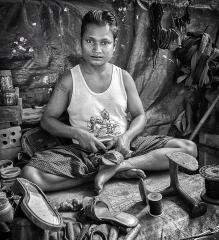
(32, 115)
(11, 114)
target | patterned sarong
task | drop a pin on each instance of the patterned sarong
(74, 162)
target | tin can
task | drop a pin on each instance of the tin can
(5, 80)
(8, 98)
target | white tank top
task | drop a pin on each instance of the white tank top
(102, 114)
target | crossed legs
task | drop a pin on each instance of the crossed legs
(49, 182)
(152, 161)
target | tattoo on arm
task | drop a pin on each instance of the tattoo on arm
(61, 87)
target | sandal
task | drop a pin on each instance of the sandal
(93, 232)
(98, 210)
(89, 233)
(112, 158)
(36, 206)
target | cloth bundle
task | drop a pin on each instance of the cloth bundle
(199, 60)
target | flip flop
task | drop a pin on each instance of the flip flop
(36, 206)
(98, 210)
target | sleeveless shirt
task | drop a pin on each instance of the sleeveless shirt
(102, 114)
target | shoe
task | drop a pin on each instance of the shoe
(112, 158)
(36, 206)
(98, 210)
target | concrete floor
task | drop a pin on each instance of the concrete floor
(174, 223)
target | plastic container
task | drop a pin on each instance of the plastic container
(6, 211)
(9, 97)
(5, 80)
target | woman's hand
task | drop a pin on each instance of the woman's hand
(89, 142)
(110, 143)
(123, 145)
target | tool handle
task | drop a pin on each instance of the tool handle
(204, 118)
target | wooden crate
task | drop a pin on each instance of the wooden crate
(11, 115)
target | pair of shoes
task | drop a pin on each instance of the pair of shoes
(98, 210)
(36, 206)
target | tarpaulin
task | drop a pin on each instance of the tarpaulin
(40, 39)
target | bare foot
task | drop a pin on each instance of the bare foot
(104, 174)
(131, 173)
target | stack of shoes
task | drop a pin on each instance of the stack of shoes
(6, 215)
(6, 209)
(35, 218)
(8, 174)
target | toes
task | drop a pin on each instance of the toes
(98, 185)
(140, 173)
(97, 191)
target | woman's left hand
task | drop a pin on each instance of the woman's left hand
(123, 145)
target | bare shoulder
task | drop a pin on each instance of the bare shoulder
(64, 83)
(127, 79)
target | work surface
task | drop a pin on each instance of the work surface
(174, 223)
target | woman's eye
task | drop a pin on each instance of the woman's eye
(105, 43)
(89, 41)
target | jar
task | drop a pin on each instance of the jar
(6, 210)
(5, 80)
(8, 97)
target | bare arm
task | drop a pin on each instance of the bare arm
(57, 104)
(136, 110)
(135, 107)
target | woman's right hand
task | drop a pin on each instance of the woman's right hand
(89, 142)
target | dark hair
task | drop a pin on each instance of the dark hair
(101, 18)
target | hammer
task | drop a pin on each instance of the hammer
(176, 159)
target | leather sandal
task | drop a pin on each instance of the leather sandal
(89, 233)
(112, 158)
(96, 232)
(36, 206)
(98, 210)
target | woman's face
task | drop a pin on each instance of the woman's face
(97, 44)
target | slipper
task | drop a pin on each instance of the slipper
(112, 158)
(94, 232)
(5, 164)
(98, 210)
(36, 206)
(91, 232)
